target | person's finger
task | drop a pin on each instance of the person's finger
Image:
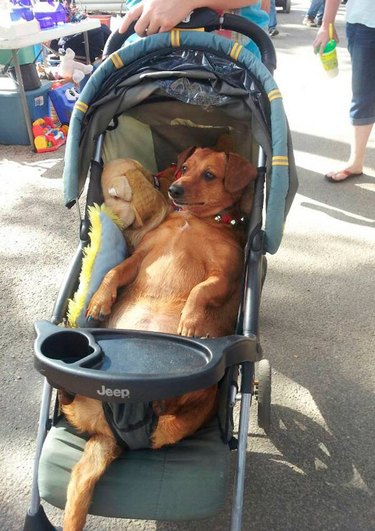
(320, 47)
(155, 22)
(154, 27)
(167, 27)
(130, 16)
(141, 27)
(320, 40)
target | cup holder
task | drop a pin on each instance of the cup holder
(67, 346)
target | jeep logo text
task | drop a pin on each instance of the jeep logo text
(118, 393)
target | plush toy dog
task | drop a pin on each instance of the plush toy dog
(71, 69)
(129, 191)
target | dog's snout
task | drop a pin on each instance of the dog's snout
(176, 190)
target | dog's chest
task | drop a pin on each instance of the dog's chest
(185, 226)
(190, 227)
(177, 260)
(193, 233)
(188, 238)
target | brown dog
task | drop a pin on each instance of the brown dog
(184, 277)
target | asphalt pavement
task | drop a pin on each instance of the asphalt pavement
(316, 470)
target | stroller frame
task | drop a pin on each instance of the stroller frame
(248, 320)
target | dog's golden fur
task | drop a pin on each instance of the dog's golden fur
(184, 278)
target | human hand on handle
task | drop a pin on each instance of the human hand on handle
(155, 16)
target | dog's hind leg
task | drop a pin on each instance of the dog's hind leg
(99, 452)
(184, 416)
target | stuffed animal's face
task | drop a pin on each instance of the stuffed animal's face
(128, 192)
(117, 196)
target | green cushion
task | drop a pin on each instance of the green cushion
(183, 482)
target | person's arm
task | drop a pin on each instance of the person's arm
(266, 5)
(154, 16)
(322, 37)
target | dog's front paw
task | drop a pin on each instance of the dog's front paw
(192, 324)
(100, 304)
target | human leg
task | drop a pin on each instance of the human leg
(354, 166)
(361, 134)
(312, 12)
(314, 8)
(320, 13)
(272, 14)
(361, 45)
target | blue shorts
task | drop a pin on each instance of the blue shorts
(361, 46)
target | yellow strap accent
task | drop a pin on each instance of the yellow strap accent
(235, 51)
(81, 106)
(191, 29)
(280, 160)
(116, 60)
(274, 94)
(175, 38)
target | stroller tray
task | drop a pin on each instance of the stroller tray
(128, 365)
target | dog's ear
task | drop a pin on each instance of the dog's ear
(224, 143)
(238, 173)
(184, 156)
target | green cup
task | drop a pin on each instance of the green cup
(329, 59)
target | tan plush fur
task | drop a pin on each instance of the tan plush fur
(128, 191)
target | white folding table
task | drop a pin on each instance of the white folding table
(39, 37)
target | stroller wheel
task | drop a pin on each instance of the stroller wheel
(263, 386)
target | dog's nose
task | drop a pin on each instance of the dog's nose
(176, 190)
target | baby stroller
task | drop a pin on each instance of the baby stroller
(149, 101)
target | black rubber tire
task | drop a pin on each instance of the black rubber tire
(287, 6)
(264, 394)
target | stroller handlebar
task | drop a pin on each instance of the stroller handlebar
(255, 33)
(210, 21)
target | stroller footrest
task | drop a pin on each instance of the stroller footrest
(134, 366)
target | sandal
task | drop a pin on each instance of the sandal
(332, 176)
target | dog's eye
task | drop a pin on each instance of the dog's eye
(209, 176)
(183, 168)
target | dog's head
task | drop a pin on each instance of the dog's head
(209, 181)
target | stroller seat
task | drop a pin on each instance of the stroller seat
(182, 482)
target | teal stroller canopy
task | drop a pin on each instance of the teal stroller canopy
(159, 95)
